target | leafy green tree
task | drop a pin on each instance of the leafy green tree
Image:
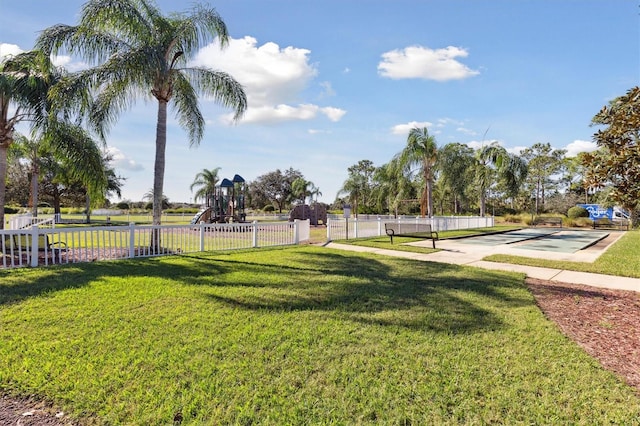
(302, 188)
(358, 186)
(543, 162)
(617, 163)
(495, 165)
(422, 150)
(26, 80)
(80, 155)
(275, 186)
(141, 52)
(206, 182)
(455, 165)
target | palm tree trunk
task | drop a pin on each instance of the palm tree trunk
(158, 175)
(429, 198)
(3, 179)
(35, 173)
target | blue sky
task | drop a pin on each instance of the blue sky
(332, 82)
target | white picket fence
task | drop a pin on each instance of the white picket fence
(47, 246)
(340, 229)
(27, 220)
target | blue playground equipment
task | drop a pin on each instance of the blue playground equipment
(226, 204)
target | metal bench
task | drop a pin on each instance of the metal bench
(548, 220)
(621, 224)
(22, 243)
(421, 230)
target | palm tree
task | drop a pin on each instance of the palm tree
(27, 82)
(354, 186)
(140, 52)
(494, 162)
(206, 182)
(421, 150)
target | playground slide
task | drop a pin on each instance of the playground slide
(199, 215)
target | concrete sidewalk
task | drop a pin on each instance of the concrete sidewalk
(455, 252)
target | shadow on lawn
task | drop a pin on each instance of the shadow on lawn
(364, 288)
(19, 284)
(387, 292)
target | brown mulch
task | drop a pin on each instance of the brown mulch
(606, 323)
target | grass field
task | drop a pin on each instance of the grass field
(302, 335)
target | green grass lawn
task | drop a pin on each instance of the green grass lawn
(620, 259)
(302, 335)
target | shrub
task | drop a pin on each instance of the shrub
(576, 212)
(11, 210)
(269, 208)
(123, 205)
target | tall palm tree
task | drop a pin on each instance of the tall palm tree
(27, 81)
(494, 162)
(354, 186)
(141, 52)
(421, 150)
(206, 182)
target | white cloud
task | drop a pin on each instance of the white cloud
(327, 89)
(480, 144)
(425, 63)
(466, 131)
(403, 129)
(7, 49)
(333, 114)
(273, 78)
(279, 113)
(444, 121)
(517, 150)
(120, 161)
(67, 63)
(578, 146)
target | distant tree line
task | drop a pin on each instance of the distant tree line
(428, 179)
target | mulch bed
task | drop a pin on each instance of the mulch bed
(606, 323)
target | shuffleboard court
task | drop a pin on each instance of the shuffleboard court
(565, 241)
(510, 237)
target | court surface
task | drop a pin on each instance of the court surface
(545, 239)
(509, 237)
(565, 241)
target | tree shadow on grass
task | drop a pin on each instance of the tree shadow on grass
(365, 288)
(390, 292)
(19, 284)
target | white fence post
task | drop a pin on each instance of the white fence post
(296, 231)
(201, 236)
(132, 239)
(34, 246)
(254, 233)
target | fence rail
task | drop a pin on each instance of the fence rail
(41, 246)
(340, 229)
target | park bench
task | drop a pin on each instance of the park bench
(548, 220)
(606, 223)
(410, 230)
(22, 243)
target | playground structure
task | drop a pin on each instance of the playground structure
(315, 215)
(226, 204)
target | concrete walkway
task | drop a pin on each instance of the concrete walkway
(459, 253)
